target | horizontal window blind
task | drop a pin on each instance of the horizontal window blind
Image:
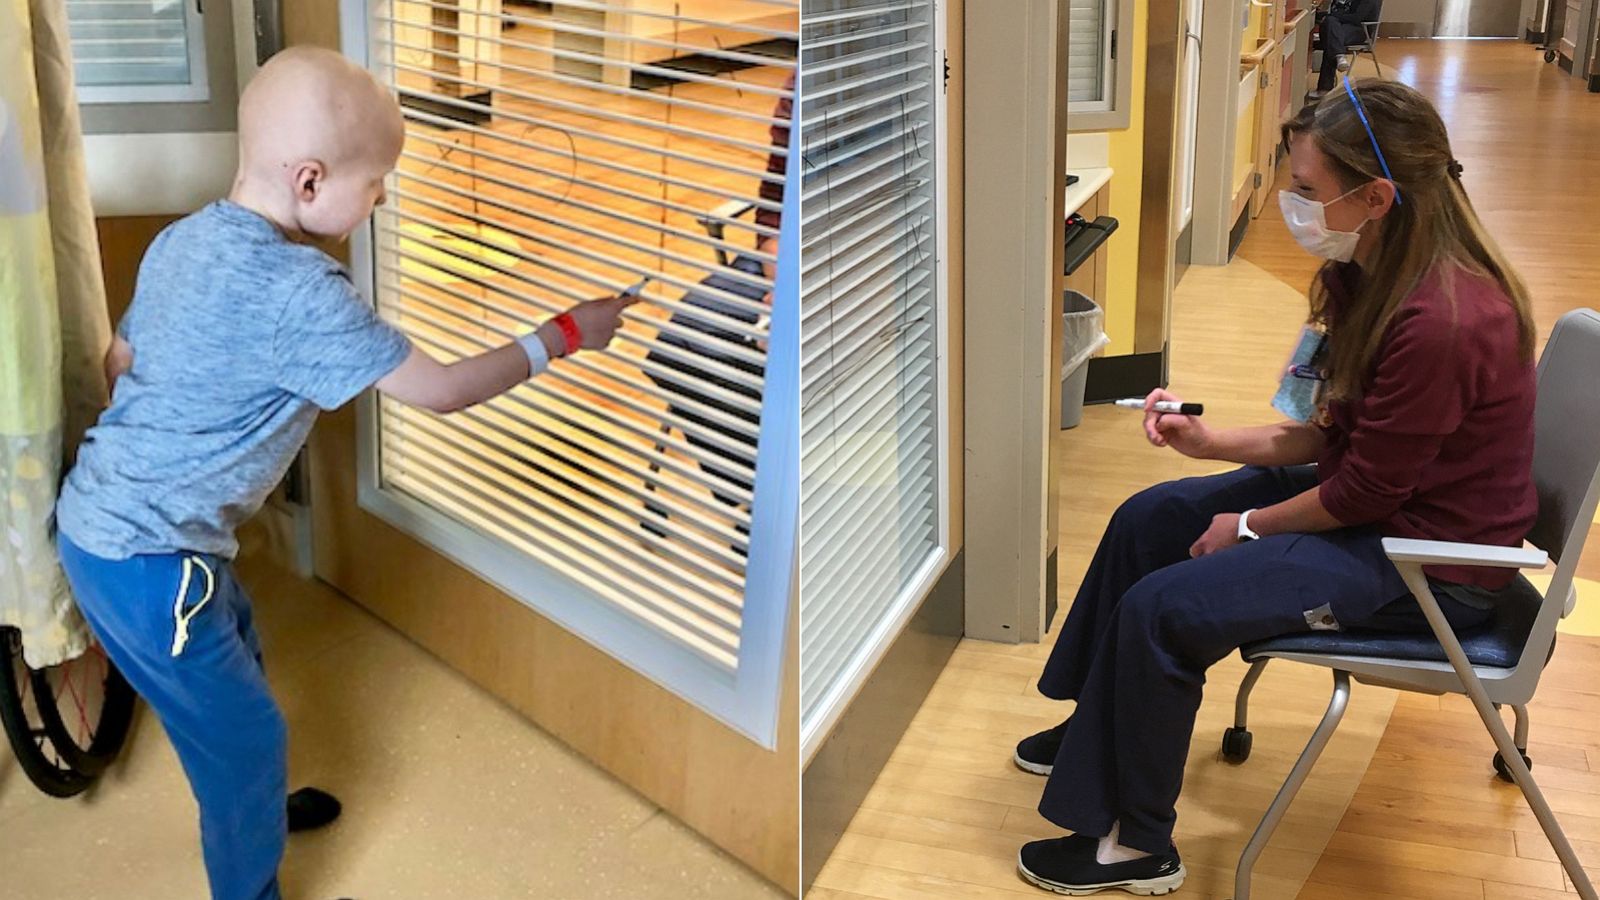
(559, 152)
(1089, 51)
(119, 43)
(870, 428)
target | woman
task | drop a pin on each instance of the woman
(1423, 428)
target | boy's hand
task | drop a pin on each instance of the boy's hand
(119, 359)
(597, 322)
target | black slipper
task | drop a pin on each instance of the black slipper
(310, 808)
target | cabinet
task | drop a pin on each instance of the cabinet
(1262, 74)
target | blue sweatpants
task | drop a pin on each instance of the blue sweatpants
(179, 627)
(1148, 621)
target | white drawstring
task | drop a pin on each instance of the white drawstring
(180, 635)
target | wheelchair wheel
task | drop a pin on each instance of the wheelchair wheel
(65, 723)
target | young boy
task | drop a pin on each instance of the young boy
(238, 333)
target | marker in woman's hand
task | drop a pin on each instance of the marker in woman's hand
(1164, 406)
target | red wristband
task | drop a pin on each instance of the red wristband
(569, 333)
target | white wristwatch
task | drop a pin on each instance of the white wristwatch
(1245, 534)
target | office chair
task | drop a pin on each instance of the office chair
(1498, 663)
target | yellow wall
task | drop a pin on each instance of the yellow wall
(1127, 164)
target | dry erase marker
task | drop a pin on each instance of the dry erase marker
(1165, 406)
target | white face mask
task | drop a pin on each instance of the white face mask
(1307, 221)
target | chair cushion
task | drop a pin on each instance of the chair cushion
(1498, 643)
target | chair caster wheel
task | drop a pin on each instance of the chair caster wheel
(1236, 744)
(1503, 772)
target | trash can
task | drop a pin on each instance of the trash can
(1082, 335)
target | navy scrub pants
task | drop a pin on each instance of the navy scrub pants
(179, 627)
(1337, 36)
(1148, 622)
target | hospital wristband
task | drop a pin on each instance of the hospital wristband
(570, 333)
(538, 353)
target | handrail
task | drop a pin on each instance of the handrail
(1259, 55)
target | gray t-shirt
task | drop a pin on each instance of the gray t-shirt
(239, 335)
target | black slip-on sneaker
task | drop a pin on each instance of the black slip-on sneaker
(1037, 753)
(310, 808)
(1067, 866)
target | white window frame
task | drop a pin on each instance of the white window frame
(198, 90)
(1111, 112)
(749, 699)
(815, 731)
(1189, 108)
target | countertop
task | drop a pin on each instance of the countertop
(1090, 181)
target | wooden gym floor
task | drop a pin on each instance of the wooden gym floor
(1404, 804)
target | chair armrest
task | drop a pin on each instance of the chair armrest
(727, 212)
(1448, 553)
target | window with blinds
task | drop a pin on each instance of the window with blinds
(872, 382)
(1089, 54)
(558, 152)
(128, 51)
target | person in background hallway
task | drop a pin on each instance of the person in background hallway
(1340, 27)
(239, 332)
(1422, 427)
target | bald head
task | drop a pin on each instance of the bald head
(310, 103)
(309, 118)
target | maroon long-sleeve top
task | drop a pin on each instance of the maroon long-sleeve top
(1439, 446)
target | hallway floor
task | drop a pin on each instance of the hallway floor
(449, 794)
(1404, 804)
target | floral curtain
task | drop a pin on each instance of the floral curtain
(53, 321)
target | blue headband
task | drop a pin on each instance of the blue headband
(1349, 88)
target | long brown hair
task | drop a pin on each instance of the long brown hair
(1432, 230)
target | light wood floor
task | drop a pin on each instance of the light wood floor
(1404, 804)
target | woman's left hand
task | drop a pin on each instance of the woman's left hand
(1223, 533)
